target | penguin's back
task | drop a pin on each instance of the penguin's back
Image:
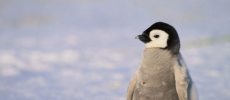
(156, 79)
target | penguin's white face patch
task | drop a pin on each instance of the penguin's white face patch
(158, 38)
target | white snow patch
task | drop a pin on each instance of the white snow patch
(7, 58)
(114, 85)
(72, 74)
(197, 60)
(9, 71)
(103, 58)
(101, 64)
(37, 81)
(118, 76)
(38, 66)
(95, 77)
(65, 56)
(69, 56)
(26, 42)
(49, 57)
(213, 73)
(71, 40)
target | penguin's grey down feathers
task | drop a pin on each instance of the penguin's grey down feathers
(161, 76)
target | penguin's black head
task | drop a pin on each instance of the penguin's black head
(161, 35)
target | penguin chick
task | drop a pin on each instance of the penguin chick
(162, 74)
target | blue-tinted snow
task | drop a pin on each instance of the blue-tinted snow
(85, 49)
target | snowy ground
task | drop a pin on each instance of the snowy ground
(85, 49)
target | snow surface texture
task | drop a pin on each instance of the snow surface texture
(85, 49)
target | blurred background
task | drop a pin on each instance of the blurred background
(85, 49)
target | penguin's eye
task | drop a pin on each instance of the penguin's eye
(156, 36)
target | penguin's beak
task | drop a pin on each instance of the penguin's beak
(137, 37)
(143, 38)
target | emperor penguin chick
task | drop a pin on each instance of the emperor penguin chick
(162, 74)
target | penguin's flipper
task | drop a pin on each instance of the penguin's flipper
(132, 85)
(192, 94)
(184, 85)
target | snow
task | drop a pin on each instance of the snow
(85, 49)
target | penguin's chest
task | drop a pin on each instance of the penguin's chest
(156, 78)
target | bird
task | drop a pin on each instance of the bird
(162, 74)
